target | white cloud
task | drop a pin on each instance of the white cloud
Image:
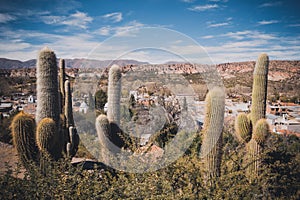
(270, 4)
(188, 1)
(247, 34)
(4, 18)
(115, 17)
(203, 7)
(207, 37)
(267, 22)
(105, 31)
(218, 24)
(78, 20)
(294, 25)
(242, 45)
(119, 30)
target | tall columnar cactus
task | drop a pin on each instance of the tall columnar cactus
(114, 94)
(254, 126)
(52, 134)
(23, 132)
(47, 87)
(243, 128)
(108, 127)
(212, 134)
(68, 105)
(62, 79)
(259, 90)
(48, 139)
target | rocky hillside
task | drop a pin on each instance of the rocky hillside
(278, 70)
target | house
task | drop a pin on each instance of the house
(83, 108)
(6, 109)
(31, 99)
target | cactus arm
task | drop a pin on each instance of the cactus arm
(114, 94)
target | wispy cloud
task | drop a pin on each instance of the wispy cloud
(78, 19)
(270, 4)
(115, 17)
(4, 18)
(188, 1)
(218, 1)
(267, 22)
(294, 25)
(119, 30)
(203, 7)
(249, 34)
(218, 24)
(207, 37)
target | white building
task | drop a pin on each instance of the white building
(83, 108)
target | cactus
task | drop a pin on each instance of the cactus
(243, 128)
(114, 94)
(68, 105)
(70, 130)
(255, 148)
(261, 131)
(108, 127)
(62, 79)
(254, 121)
(72, 145)
(48, 139)
(212, 133)
(103, 131)
(259, 90)
(23, 132)
(52, 134)
(47, 87)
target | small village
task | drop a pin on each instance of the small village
(284, 118)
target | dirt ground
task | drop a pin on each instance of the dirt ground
(8, 159)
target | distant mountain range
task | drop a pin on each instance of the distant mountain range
(71, 63)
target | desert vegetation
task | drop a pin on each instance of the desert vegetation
(244, 161)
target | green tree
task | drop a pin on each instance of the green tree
(91, 102)
(100, 99)
(132, 101)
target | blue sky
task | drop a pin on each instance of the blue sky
(228, 30)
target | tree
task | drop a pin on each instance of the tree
(132, 101)
(91, 102)
(100, 99)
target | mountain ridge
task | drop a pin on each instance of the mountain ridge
(6, 63)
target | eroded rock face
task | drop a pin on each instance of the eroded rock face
(278, 70)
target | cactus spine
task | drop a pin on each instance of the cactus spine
(255, 122)
(23, 132)
(259, 90)
(212, 133)
(114, 94)
(47, 86)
